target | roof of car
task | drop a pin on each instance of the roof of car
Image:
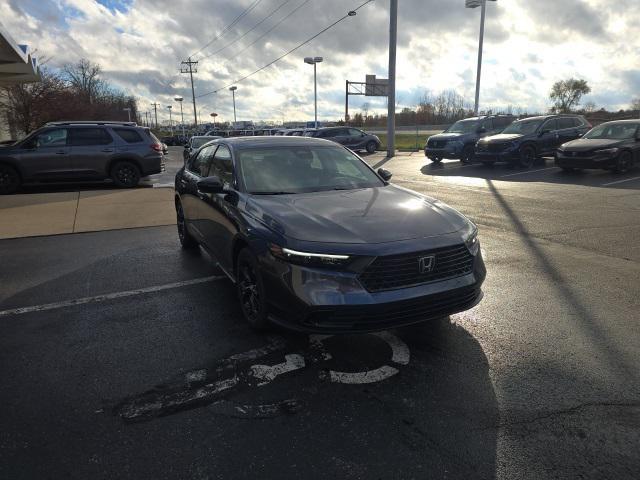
(277, 141)
(628, 120)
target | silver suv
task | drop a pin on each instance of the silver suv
(81, 151)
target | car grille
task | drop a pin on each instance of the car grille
(399, 271)
(397, 313)
(436, 143)
(577, 154)
(497, 147)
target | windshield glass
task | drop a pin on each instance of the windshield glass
(280, 170)
(523, 126)
(198, 142)
(613, 131)
(463, 126)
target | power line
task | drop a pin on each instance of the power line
(351, 13)
(228, 27)
(248, 31)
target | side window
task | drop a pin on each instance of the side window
(487, 124)
(89, 136)
(222, 165)
(129, 135)
(354, 133)
(550, 125)
(52, 138)
(577, 122)
(565, 122)
(201, 162)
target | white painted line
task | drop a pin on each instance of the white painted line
(275, 343)
(266, 373)
(163, 185)
(399, 349)
(358, 378)
(528, 171)
(108, 296)
(620, 181)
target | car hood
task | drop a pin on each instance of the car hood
(502, 137)
(586, 144)
(446, 136)
(363, 216)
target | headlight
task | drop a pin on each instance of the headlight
(607, 151)
(308, 259)
(470, 237)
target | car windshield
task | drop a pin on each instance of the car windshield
(463, 126)
(613, 131)
(523, 126)
(278, 170)
(198, 142)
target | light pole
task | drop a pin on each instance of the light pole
(314, 61)
(475, 4)
(214, 115)
(233, 92)
(170, 122)
(391, 98)
(128, 110)
(180, 99)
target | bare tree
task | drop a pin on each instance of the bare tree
(566, 94)
(635, 104)
(84, 78)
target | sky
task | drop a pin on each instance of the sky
(528, 46)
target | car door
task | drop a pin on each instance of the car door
(220, 209)
(548, 141)
(196, 169)
(340, 135)
(46, 155)
(90, 153)
(567, 130)
(355, 139)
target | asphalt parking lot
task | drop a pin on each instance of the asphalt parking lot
(123, 356)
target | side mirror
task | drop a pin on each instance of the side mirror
(363, 134)
(482, 130)
(186, 145)
(385, 174)
(210, 185)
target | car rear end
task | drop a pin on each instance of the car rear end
(140, 145)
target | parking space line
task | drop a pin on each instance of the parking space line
(620, 181)
(528, 171)
(108, 296)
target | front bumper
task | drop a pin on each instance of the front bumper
(490, 157)
(567, 160)
(453, 153)
(315, 300)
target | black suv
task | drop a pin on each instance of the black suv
(350, 137)
(459, 140)
(525, 140)
(81, 151)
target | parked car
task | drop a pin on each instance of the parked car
(195, 143)
(4, 143)
(296, 132)
(350, 137)
(81, 151)
(612, 145)
(316, 240)
(459, 140)
(525, 140)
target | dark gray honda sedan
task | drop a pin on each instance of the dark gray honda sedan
(315, 240)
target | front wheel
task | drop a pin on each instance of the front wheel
(186, 240)
(468, 154)
(623, 163)
(9, 180)
(435, 159)
(371, 147)
(125, 174)
(527, 157)
(251, 292)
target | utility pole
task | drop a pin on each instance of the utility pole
(482, 14)
(155, 110)
(190, 70)
(391, 99)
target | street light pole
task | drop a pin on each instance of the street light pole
(314, 61)
(483, 5)
(170, 122)
(233, 92)
(180, 99)
(128, 110)
(391, 99)
(214, 115)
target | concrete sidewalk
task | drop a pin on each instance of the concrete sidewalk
(37, 214)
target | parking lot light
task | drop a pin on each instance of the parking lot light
(128, 110)
(170, 122)
(314, 61)
(475, 4)
(180, 99)
(233, 93)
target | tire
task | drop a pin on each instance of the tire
(568, 169)
(435, 159)
(624, 162)
(468, 154)
(527, 157)
(371, 147)
(125, 174)
(9, 180)
(186, 240)
(251, 291)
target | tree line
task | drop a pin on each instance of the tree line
(75, 92)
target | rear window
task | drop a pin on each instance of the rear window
(128, 135)
(566, 122)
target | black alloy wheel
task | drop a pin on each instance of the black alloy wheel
(9, 180)
(251, 291)
(623, 163)
(527, 156)
(468, 154)
(186, 240)
(435, 159)
(371, 147)
(125, 174)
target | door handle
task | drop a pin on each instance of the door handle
(60, 152)
(107, 150)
